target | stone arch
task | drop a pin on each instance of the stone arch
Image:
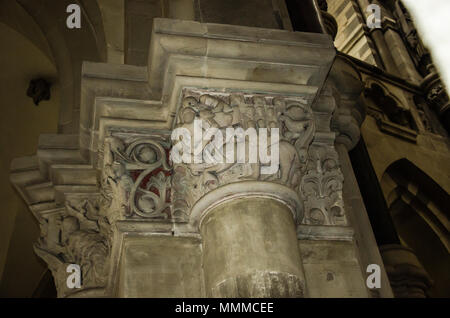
(419, 210)
(379, 97)
(371, 82)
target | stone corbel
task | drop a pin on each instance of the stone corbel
(61, 191)
(347, 87)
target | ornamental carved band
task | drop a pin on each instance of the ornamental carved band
(139, 179)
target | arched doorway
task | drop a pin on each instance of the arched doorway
(419, 208)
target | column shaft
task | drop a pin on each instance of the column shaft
(250, 250)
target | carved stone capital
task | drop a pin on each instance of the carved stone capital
(76, 234)
(308, 163)
(116, 179)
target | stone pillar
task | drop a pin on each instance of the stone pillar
(401, 56)
(250, 250)
(384, 51)
(329, 22)
(407, 276)
(247, 218)
(114, 25)
(369, 217)
(364, 236)
(349, 115)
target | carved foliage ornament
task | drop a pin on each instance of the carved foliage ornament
(139, 180)
(313, 172)
(78, 234)
(321, 188)
(136, 177)
(291, 118)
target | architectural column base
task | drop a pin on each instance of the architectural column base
(407, 276)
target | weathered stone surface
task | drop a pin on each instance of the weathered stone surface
(249, 248)
(332, 269)
(161, 266)
(228, 219)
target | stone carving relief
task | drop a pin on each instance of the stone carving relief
(291, 116)
(139, 179)
(136, 177)
(437, 96)
(78, 234)
(313, 172)
(321, 188)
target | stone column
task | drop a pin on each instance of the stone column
(346, 122)
(407, 276)
(156, 227)
(247, 218)
(250, 250)
(385, 52)
(401, 56)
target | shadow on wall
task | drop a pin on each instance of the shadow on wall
(21, 124)
(38, 44)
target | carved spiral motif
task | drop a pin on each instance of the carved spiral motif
(149, 201)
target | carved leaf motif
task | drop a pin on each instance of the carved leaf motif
(138, 179)
(221, 110)
(76, 235)
(151, 201)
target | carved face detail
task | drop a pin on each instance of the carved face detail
(119, 170)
